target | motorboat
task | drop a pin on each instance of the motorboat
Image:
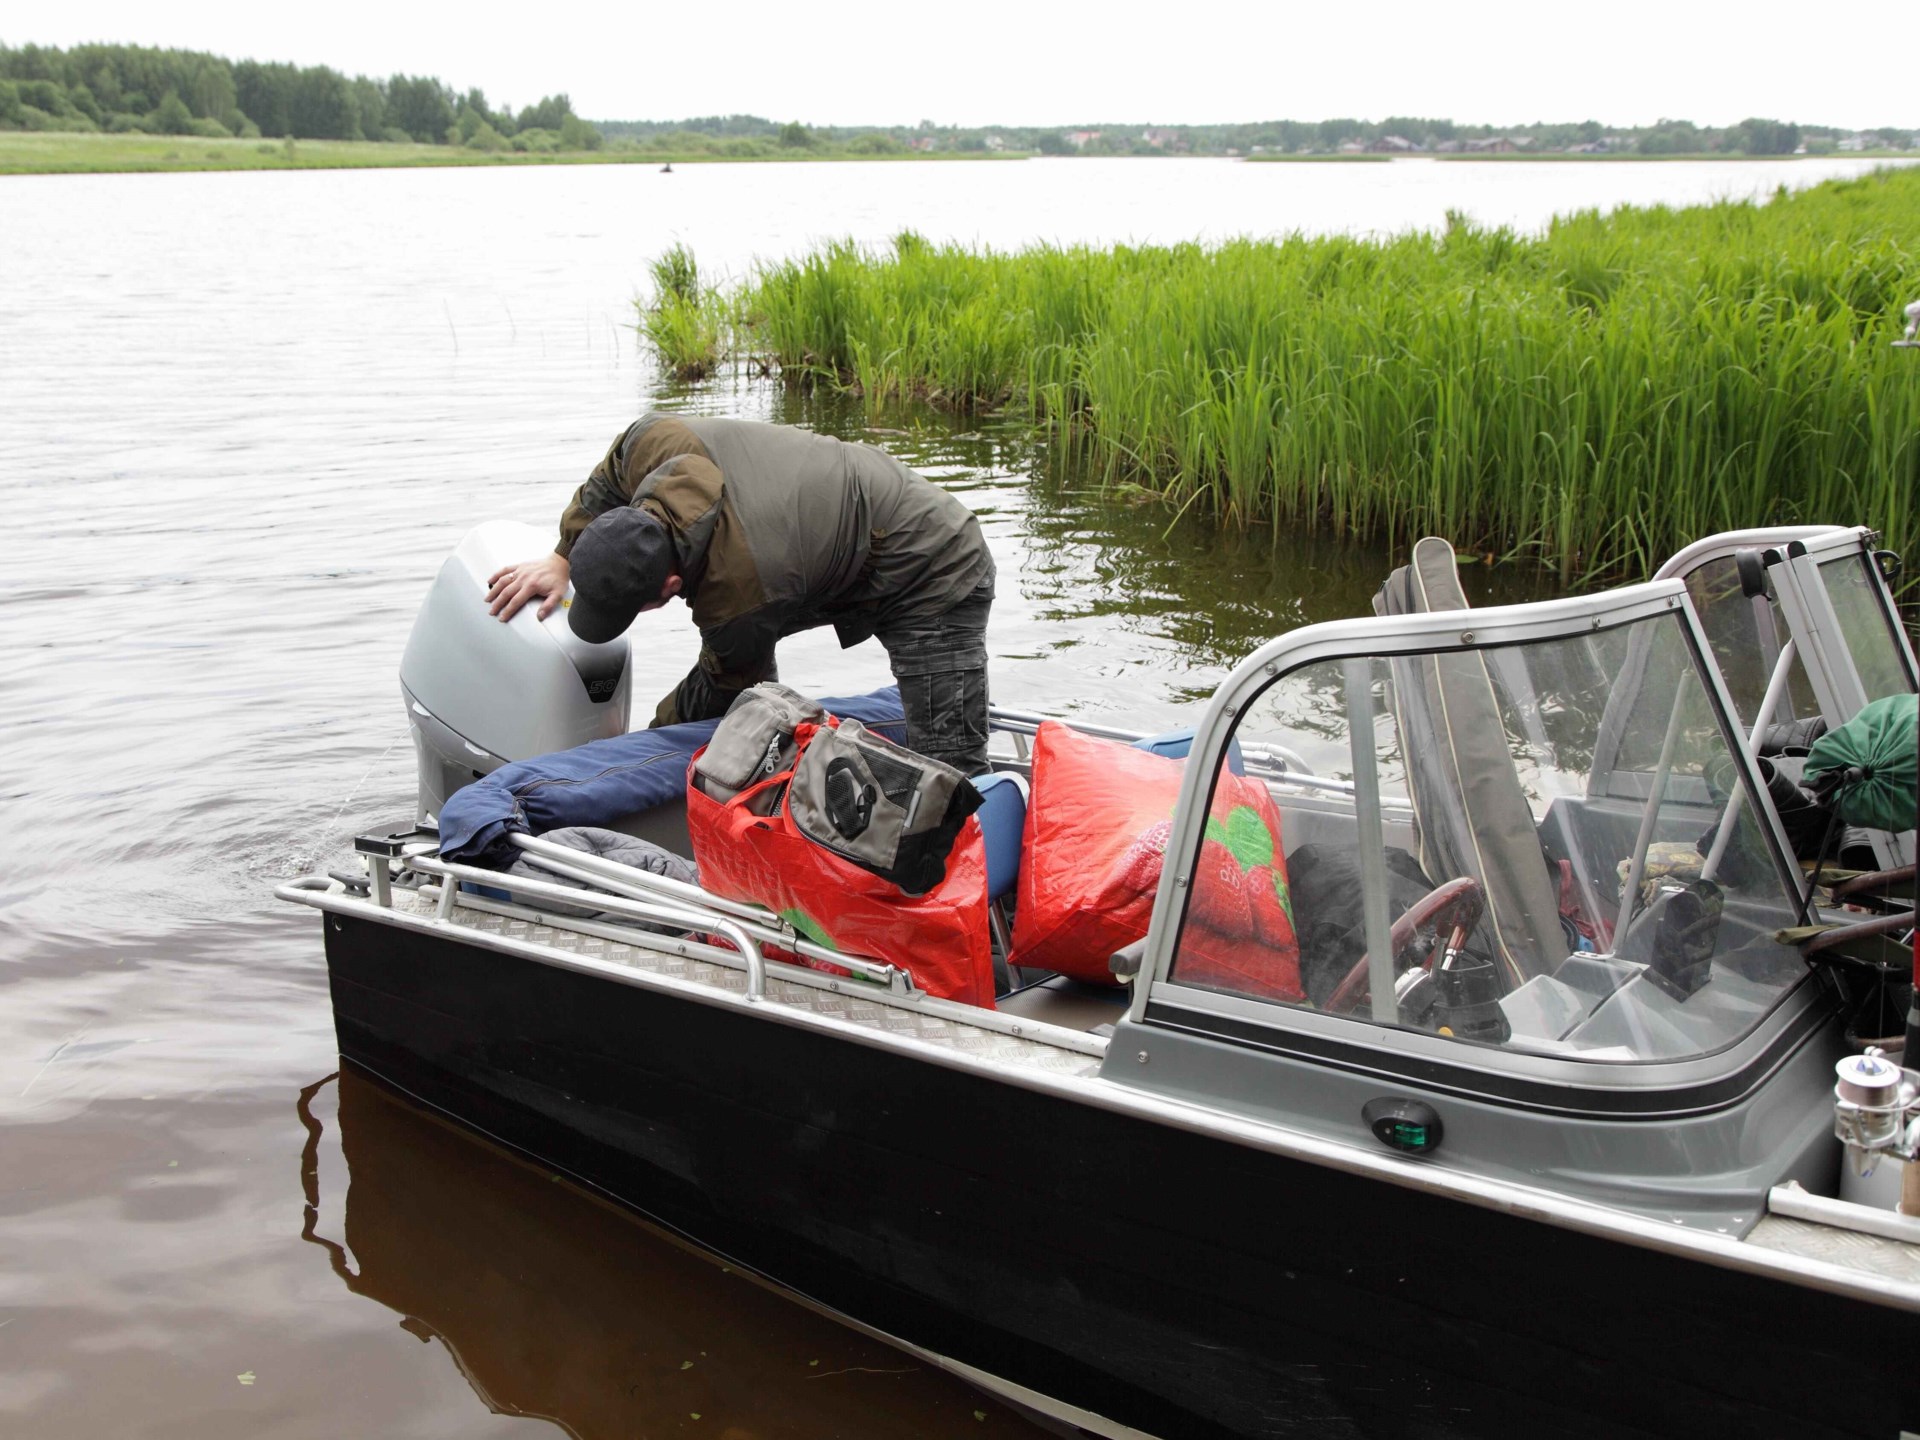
(1574, 1122)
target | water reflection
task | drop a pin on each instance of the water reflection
(557, 1306)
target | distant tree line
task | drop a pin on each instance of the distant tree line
(189, 92)
(747, 137)
(751, 135)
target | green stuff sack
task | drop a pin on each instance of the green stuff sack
(1880, 741)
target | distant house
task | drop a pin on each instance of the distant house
(1392, 145)
(1498, 144)
(1449, 147)
(994, 142)
(1351, 147)
(1080, 139)
(1592, 147)
(921, 142)
(1164, 139)
(1859, 142)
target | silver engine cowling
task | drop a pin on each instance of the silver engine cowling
(480, 694)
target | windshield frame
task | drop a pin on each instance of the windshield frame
(1386, 637)
(1797, 560)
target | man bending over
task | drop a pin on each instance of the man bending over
(765, 531)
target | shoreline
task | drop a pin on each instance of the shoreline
(66, 152)
(1561, 157)
(62, 152)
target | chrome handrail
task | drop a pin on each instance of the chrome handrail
(452, 875)
(755, 919)
(638, 894)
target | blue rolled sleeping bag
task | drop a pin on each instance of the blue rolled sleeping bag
(603, 781)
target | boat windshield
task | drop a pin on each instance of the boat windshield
(1454, 859)
(1747, 633)
(1866, 625)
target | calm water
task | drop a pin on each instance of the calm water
(242, 419)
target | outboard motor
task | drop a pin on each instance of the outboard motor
(480, 693)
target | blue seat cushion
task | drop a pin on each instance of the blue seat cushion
(1003, 822)
(1175, 745)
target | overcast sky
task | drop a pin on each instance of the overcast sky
(1624, 62)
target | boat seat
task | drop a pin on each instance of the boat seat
(1003, 827)
(1472, 816)
(1003, 823)
(1175, 745)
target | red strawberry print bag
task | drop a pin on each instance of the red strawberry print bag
(1097, 825)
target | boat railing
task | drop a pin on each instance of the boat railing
(647, 912)
(445, 886)
(1022, 724)
(632, 895)
(624, 901)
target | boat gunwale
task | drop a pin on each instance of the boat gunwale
(1406, 1172)
(1021, 1028)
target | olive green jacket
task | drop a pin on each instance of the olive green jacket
(777, 530)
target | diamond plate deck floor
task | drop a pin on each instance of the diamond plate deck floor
(1810, 1240)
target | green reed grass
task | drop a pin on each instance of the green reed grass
(690, 325)
(1593, 397)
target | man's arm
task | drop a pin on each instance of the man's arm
(609, 485)
(545, 579)
(733, 657)
(642, 448)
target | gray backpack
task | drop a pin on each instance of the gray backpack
(754, 742)
(887, 809)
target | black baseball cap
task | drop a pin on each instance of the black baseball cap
(619, 564)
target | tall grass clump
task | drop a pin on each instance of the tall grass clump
(1594, 396)
(689, 325)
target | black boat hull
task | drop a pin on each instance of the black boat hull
(1162, 1278)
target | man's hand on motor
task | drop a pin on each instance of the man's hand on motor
(545, 579)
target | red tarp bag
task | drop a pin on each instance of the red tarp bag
(1097, 825)
(940, 937)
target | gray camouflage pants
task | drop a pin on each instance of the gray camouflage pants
(941, 666)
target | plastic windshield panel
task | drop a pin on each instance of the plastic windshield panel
(1572, 976)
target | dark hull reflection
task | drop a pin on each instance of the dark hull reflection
(557, 1306)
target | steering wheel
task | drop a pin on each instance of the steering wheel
(1454, 908)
